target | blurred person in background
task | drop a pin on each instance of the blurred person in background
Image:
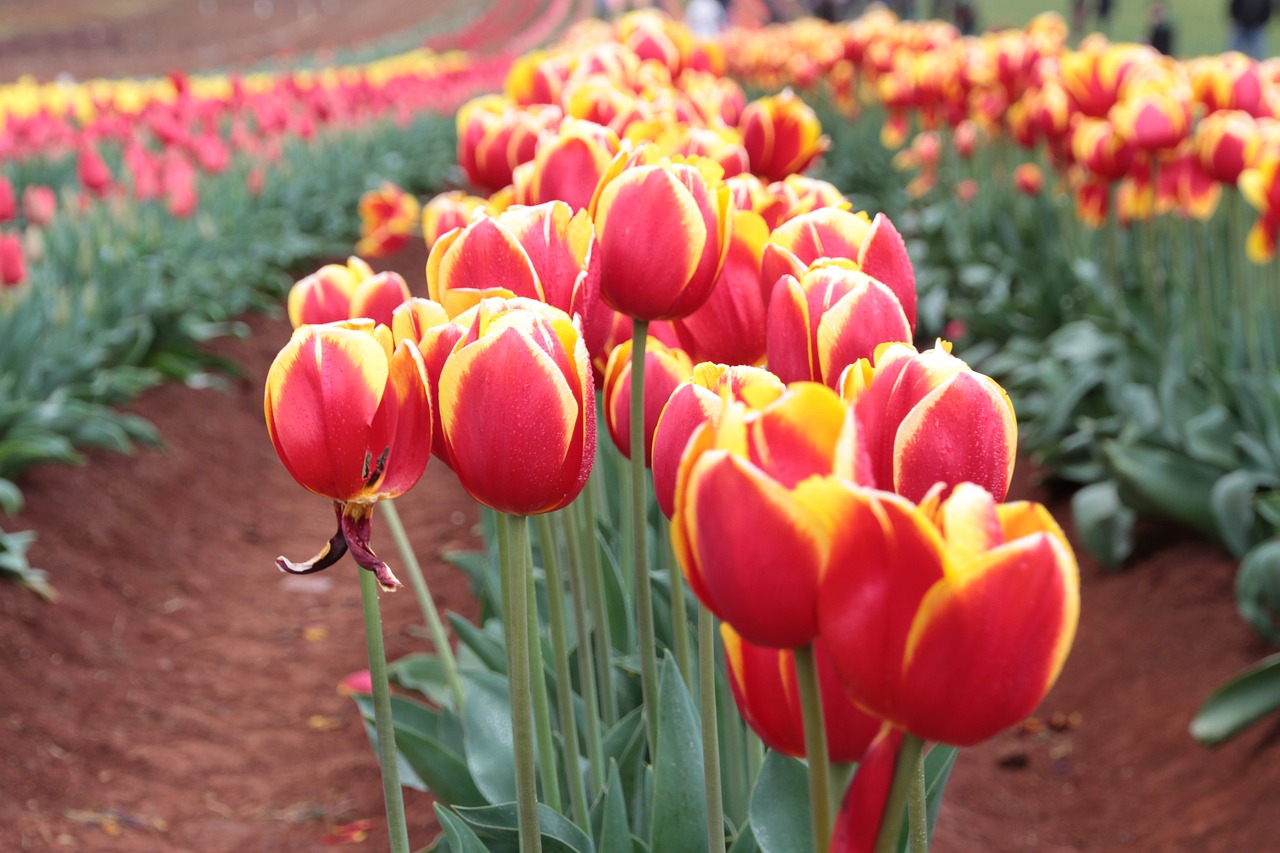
(1078, 15)
(1160, 36)
(966, 17)
(705, 18)
(1104, 17)
(1249, 26)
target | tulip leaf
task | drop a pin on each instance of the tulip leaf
(1239, 703)
(486, 727)
(10, 497)
(423, 673)
(1104, 523)
(679, 820)
(501, 823)
(1231, 501)
(779, 810)
(461, 838)
(745, 842)
(489, 649)
(615, 832)
(1258, 589)
(1164, 482)
(429, 749)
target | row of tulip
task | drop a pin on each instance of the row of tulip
(841, 516)
(1086, 212)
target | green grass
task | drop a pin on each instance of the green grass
(1201, 26)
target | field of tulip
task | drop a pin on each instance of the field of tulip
(736, 345)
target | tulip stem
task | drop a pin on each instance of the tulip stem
(564, 683)
(426, 601)
(586, 655)
(815, 747)
(382, 721)
(917, 816)
(679, 614)
(710, 728)
(516, 618)
(601, 623)
(904, 778)
(541, 706)
(639, 539)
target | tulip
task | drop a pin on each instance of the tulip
(926, 418)
(665, 368)
(92, 171)
(378, 296)
(39, 204)
(862, 809)
(730, 326)
(388, 217)
(829, 318)
(952, 619)
(429, 327)
(663, 230)
(8, 203)
(695, 402)
(350, 418)
(782, 135)
(1028, 178)
(325, 295)
(13, 266)
(448, 211)
(494, 138)
(764, 687)
(522, 447)
(1226, 142)
(755, 504)
(831, 232)
(567, 165)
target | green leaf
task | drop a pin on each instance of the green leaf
(1239, 703)
(425, 674)
(461, 838)
(745, 842)
(1231, 501)
(938, 763)
(486, 727)
(429, 750)
(10, 497)
(1105, 524)
(679, 819)
(1164, 482)
(486, 646)
(500, 822)
(779, 811)
(1258, 588)
(615, 832)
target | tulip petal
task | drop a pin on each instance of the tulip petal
(883, 256)
(862, 809)
(329, 554)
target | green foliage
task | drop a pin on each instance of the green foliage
(1239, 703)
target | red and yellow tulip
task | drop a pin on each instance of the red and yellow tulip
(350, 418)
(782, 135)
(388, 219)
(664, 369)
(447, 211)
(325, 295)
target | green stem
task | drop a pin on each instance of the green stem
(639, 540)
(917, 814)
(564, 683)
(541, 706)
(821, 809)
(679, 615)
(516, 618)
(710, 730)
(382, 721)
(586, 656)
(599, 608)
(904, 775)
(444, 651)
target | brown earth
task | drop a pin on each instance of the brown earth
(180, 695)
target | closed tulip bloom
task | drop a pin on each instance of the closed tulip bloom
(378, 296)
(518, 407)
(756, 503)
(951, 620)
(494, 138)
(695, 402)
(13, 265)
(782, 135)
(92, 170)
(448, 211)
(664, 369)
(831, 232)
(828, 319)
(325, 295)
(428, 325)
(927, 418)
(663, 230)
(1226, 141)
(39, 204)
(862, 807)
(350, 418)
(8, 200)
(763, 682)
(730, 326)
(567, 165)
(1028, 178)
(388, 218)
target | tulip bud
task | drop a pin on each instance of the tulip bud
(13, 267)
(325, 295)
(782, 135)
(388, 218)
(664, 369)
(447, 211)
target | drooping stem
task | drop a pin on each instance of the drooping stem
(516, 618)
(639, 540)
(382, 722)
(425, 601)
(904, 777)
(710, 729)
(917, 813)
(821, 809)
(586, 655)
(564, 682)
(596, 602)
(541, 706)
